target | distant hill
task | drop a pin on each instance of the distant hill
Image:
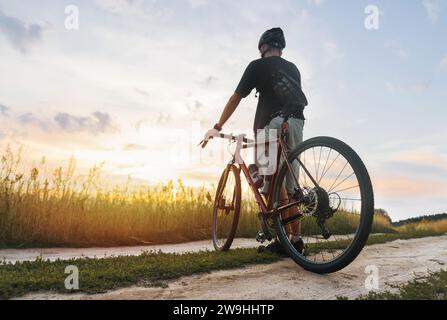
(435, 217)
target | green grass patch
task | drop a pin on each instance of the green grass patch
(100, 275)
(148, 269)
(430, 287)
(415, 234)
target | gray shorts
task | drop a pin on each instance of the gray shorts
(294, 138)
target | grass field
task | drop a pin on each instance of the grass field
(424, 225)
(39, 207)
(148, 269)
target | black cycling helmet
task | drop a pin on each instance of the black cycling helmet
(274, 38)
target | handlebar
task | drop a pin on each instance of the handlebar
(230, 137)
(250, 142)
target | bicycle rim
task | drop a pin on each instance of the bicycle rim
(226, 209)
(336, 204)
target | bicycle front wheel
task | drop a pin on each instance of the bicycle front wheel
(227, 206)
(335, 204)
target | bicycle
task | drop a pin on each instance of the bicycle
(329, 228)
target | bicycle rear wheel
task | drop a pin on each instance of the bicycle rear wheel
(335, 207)
(227, 205)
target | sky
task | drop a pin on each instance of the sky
(137, 83)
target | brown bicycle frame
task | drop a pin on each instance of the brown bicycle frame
(268, 209)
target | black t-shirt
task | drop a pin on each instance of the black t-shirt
(259, 75)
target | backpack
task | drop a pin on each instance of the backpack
(289, 93)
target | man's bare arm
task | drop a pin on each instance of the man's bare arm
(231, 106)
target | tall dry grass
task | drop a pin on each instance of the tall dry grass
(425, 225)
(63, 208)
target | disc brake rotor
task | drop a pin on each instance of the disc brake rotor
(316, 203)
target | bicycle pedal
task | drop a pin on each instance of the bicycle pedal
(260, 237)
(326, 234)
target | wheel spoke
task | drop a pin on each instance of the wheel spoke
(304, 173)
(351, 199)
(337, 191)
(325, 164)
(329, 168)
(353, 173)
(339, 175)
(318, 168)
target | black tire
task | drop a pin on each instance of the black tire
(224, 244)
(366, 213)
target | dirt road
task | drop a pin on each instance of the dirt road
(52, 254)
(397, 262)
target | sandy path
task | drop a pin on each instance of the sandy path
(398, 262)
(52, 254)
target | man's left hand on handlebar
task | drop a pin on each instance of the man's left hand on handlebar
(210, 134)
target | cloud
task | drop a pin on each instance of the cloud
(135, 8)
(98, 122)
(141, 92)
(396, 49)
(4, 110)
(316, 2)
(117, 6)
(331, 52)
(195, 106)
(443, 63)
(22, 36)
(30, 119)
(405, 187)
(417, 87)
(134, 147)
(208, 81)
(163, 118)
(198, 3)
(140, 124)
(423, 156)
(433, 9)
(155, 121)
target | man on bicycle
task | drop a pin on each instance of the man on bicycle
(270, 110)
